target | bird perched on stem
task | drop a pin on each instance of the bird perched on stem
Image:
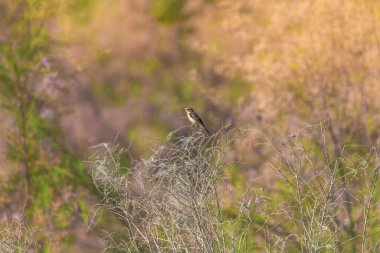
(195, 119)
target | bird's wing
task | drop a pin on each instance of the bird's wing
(198, 119)
(195, 116)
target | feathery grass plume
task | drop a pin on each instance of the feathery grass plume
(170, 202)
(329, 204)
(15, 237)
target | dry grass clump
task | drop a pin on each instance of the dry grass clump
(170, 202)
(15, 237)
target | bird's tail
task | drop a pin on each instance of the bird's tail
(207, 131)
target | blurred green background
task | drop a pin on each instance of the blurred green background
(77, 73)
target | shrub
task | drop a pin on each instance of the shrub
(175, 201)
(170, 202)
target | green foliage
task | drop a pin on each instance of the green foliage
(33, 140)
(238, 89)
(185, 92)
(84, 210)
(82, 10)
(116, 95)
(68, 240)
(169, 11)
(152, 65)
(41, 192)
(237, 179)
(157, 129)
(61, 215)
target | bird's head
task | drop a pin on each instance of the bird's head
(188, 109)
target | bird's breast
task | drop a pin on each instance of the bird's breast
(191, 119)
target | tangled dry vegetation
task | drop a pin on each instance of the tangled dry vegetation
(15, 237)
(170, 202)
(331, 203)
(175, 200)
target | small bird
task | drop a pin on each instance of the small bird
(195, 119)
